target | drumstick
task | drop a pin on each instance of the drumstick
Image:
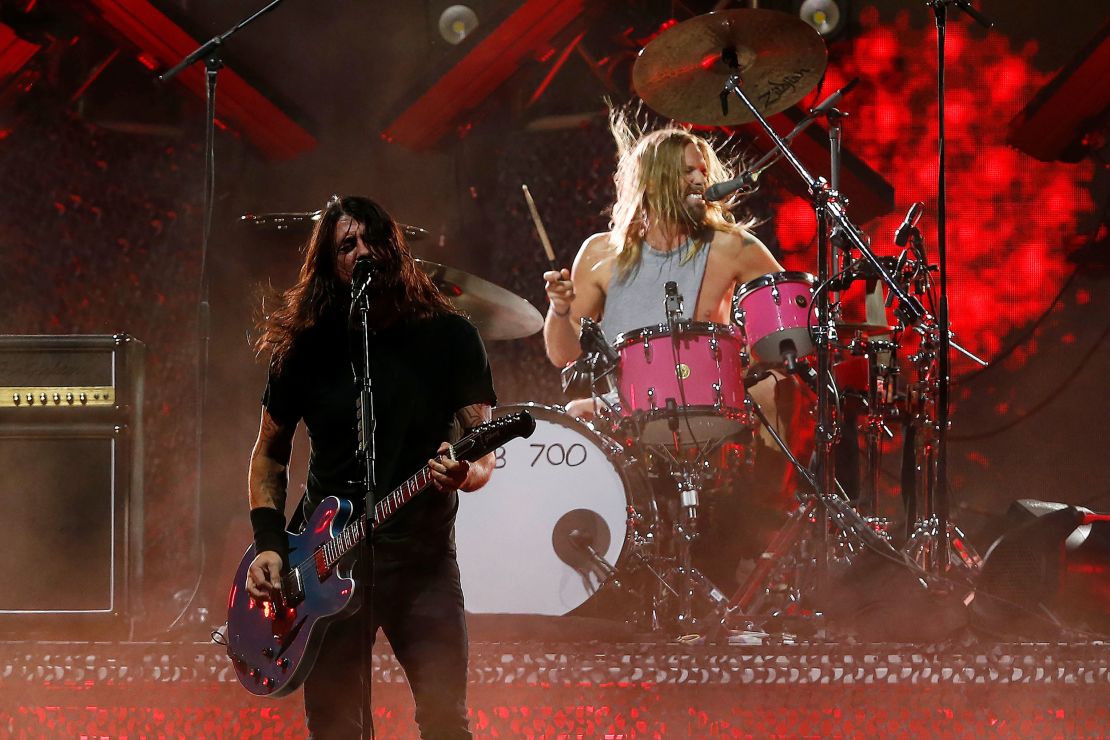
(540, 229)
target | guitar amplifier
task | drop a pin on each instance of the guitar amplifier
(71, 484)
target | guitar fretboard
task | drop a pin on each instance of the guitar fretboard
(480, 441)
(355, 532)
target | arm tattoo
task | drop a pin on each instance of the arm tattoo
(269, 468)
(473, 415)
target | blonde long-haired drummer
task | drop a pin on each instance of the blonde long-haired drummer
(661, 230)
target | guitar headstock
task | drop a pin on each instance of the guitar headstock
(491, 435)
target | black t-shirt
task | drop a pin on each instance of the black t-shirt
(422, 372)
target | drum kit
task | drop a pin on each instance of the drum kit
(614, 506)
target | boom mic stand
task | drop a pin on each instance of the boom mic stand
(210, 52)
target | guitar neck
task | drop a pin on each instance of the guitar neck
(355, 532)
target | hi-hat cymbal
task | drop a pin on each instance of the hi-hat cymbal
(498, 313)
(680, 73)
(303, 221)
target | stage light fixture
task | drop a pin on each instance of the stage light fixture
(456, 23)
(828, 17)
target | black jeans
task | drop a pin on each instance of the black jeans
(419, 606)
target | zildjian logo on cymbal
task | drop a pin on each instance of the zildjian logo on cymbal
(782, 87)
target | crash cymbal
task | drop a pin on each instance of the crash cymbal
(498, 313)
(304, 222)
(680, 73)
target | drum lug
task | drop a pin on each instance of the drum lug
(651, 398)
(775, 293)
(714, 348)
(647, 349)
(720, 402)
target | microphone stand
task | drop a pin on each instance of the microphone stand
(940, 500)
(747, 178)
(367, 455)
(209, 51)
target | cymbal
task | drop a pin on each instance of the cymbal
(303, 222)
(680, 74)
(498, 313)
(868, 330)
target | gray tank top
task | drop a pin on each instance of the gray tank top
(635, 300)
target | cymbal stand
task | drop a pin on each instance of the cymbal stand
(829, 210)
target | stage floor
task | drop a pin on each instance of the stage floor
(588, 689)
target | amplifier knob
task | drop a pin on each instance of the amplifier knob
(83, 398)
(42, 397)
(57, 398)
(30, 399)
(17, 399)
(69, 398)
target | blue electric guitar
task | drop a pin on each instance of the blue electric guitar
(273, 644)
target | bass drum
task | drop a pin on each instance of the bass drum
(524, 539)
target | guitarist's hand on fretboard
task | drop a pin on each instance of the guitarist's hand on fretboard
(264, 575)
(448, 474)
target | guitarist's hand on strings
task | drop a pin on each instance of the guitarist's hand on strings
(264, 575)
(448, 474)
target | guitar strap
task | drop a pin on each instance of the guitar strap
(298, 520)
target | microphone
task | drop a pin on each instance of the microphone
(909, 224)
(672, 304)
(593, 341)
(364, 267)
(723, 189)
(830, 102)
(362, 276)
(789, 353)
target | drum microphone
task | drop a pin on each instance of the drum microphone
(909, 224)
(593, 341)
(789, 353)
(672, 303)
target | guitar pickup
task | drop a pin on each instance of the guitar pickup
(294, 588)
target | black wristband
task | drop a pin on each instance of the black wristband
(269, 531)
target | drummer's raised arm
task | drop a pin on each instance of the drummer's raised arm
(583, 294)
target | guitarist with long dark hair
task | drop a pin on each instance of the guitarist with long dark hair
(430, 375)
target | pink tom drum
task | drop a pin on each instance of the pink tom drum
(689, 384)
(774, 311)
